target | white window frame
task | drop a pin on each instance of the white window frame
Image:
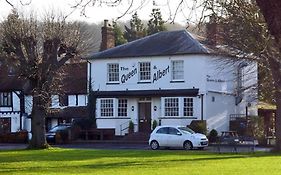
(6, 99)
(171, 107)
(108, 109)
(177, 70)
(180, 107)
(188, 107)
(113, 73)
(147, 74)
(122, 107)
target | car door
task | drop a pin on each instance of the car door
(175, 138)
(162, 135)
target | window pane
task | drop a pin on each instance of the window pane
(173, 131)
(171, 107)
(113, 72)
(106, 107)
(6, 99)
(163, 130)
(188, 107)
(144, 71)
(177, 70)
(122, 107)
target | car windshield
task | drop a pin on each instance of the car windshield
(186, 130)
(59, 128)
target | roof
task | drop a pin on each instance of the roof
(266, 106)
(162, 43)
(10, 81)
(69, 112)
(74, 78)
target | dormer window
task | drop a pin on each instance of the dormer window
(11, 71)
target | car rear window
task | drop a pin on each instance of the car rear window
(164, 130)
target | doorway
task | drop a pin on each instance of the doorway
(145, 117)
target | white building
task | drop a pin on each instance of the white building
(171, 78)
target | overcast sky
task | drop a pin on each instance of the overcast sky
(99, 13)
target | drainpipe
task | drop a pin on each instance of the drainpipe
(202, 106)
(90, 76)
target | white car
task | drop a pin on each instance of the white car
(176, 136)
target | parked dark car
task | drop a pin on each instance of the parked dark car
(229, 137)
(62, 130)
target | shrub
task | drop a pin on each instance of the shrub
(131, 127)
(198, 126)
(154, 124)
(213, 136)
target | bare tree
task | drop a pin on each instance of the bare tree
(37, 50)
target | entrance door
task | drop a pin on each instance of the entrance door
(5, 125)
(145, 117)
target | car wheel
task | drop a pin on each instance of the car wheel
(154, 145)
(187, 145)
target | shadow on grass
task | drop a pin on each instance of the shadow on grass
(81, 155)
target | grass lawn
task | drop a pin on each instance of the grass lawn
(127, 162)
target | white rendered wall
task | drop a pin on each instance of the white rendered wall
(194, 73)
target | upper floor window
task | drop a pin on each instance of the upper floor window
(106, 107)
(63, 100)
(122, 107)
(5, 99)
(144, 71)
(188, 106)
(177, 70)
(113, 72)
(171, 106)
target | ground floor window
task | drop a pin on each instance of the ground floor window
(113, 107)
(178, 106)
(5, 125)
(106, 107)
(122, 107)
(188, 106)
(171, 107)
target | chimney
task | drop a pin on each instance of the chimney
(108, 39)
(214, 32)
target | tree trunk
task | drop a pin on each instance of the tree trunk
(38, 114)
(271, 10)
(275, 69)
(278, 121)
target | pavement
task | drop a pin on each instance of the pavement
(135, 146)
(12, 146)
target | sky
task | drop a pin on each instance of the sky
(99, 12)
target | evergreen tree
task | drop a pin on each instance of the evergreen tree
(136, 30)
(119, 38)
(156, 23)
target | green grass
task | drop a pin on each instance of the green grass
(127, 162)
